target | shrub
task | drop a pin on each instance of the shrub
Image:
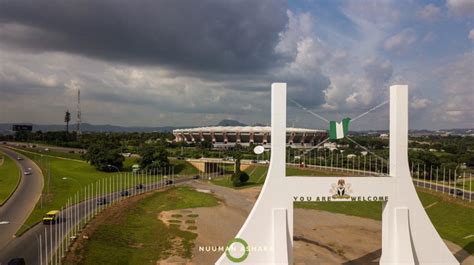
(239, 178)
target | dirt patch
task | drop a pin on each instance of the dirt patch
(319, 237)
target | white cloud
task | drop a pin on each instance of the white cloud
(457, 83)
(429, 37)
(299, 27)
(471, 35)
(420, 103)
(401, 40)
(461, 8)
(429, 13)
(382, 14)
(306, 56)
(16, 74)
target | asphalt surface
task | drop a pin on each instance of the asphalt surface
(40, 147)
(36, 245)
(19, 206)
(466, 195)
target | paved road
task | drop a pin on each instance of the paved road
(17, 209)
(43, 146)
(28, 245)
(441, 188)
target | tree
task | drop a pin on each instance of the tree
(67, 119)
(239, 178)
(154, 157)
(104, 156)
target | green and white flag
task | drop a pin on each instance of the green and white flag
(338, 130)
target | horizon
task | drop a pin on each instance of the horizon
(210, 125)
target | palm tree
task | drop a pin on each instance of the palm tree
(67, 119)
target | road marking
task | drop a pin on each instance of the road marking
(469, 236)
(431, 205)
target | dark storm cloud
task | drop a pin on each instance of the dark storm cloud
(204, 35)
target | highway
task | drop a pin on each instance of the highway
(17, 209)
(441, 188)
(28, 246)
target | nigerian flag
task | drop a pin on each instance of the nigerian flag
(337, 130)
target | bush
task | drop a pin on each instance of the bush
(239, 178)
(104, 156)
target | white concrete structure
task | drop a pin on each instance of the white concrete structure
(408, 237)
(245, 135)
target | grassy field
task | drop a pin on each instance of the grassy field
(258, 175)
(182, 167)
(56, 190)
(53, 153)
(9, 177)
(452, 219)
(114, 241)
(78, 174)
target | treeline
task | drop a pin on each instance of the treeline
(71, 139)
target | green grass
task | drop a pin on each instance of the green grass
(372, 210)
(55, 195)
(182, 167)
(452, 220)
(129, 162)
(258, 175)
(9, 177)
(295, 171)
(138, 237)
(76, 156)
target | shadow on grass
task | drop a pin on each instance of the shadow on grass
(465, 252)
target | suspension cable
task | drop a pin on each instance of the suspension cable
(367, 112)
(309, 111)
(365, 148)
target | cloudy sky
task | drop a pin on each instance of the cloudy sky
(180, 63)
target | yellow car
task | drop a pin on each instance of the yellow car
(51, 217)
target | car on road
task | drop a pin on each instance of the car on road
(19, 158)
(101, 201)
(27, 172)
(457, 192)
(125, 193)
(51, 217)
(139, 186)
(17, 261)
(196, 177)
(169, 182)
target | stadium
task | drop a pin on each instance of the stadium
(222, 136)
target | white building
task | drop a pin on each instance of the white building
(245, 135)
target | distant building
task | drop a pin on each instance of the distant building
(330, 145)
(22, 128)
(223, 136)
(384, 136)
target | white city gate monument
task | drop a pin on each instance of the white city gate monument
(408, 237)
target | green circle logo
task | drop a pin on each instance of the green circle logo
(243, 257)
